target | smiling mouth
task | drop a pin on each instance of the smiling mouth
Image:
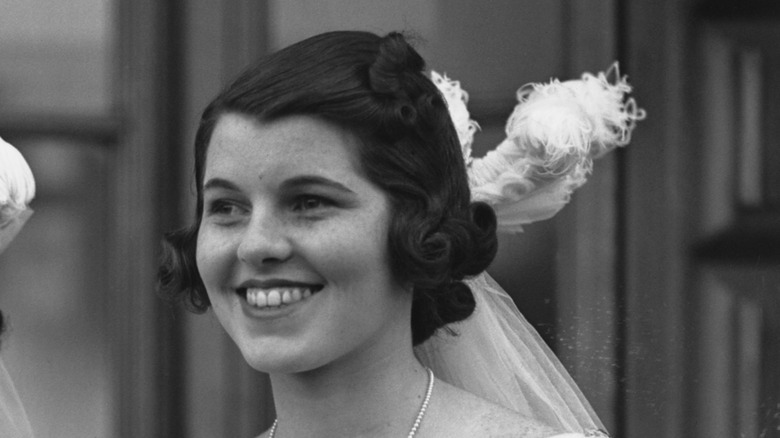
(276, 297)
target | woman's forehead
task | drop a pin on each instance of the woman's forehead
(297, 143)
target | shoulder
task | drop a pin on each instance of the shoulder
(457, 413)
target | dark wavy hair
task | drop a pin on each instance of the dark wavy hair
(376, 88)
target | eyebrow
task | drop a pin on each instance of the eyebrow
(306, 180)
(219, 183)
(298, 181)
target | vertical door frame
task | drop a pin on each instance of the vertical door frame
(660, 180)
(146, 332)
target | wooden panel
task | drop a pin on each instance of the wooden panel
(657, 198)
(145, 332)
(743, 251)
(101, 130)
(771, 145)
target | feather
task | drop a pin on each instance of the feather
(553, 135)
(17, 185)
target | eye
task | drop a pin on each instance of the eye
(223, 208)
(305, 203)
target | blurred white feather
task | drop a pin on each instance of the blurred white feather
(17, 185)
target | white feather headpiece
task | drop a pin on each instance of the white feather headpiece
(17, 185)
(553, 135)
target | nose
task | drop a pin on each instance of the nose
(264, 242)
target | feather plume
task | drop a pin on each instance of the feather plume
(553, 135)
(17, 185)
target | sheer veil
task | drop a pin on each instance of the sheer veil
(13, 419)
(499, 356)
(553, 135)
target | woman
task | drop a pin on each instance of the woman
(17, 189)
(335, 228)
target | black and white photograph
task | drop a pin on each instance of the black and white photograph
(390, 218)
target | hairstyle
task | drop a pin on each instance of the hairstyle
(374, 87)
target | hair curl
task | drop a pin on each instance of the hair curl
(376, 88)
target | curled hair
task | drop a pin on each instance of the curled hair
(178, 278)
(374, 87)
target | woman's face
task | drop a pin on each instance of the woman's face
(292, 246)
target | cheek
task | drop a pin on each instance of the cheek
(359, 251)
(211, 257)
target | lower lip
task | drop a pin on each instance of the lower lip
(273, 312)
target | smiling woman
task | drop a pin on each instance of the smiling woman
(335, 230)
(291, 248)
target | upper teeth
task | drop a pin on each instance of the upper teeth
(275, 297)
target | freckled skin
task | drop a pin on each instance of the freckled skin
(264, 226)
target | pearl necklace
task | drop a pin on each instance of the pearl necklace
(417, 421)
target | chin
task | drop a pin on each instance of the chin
(276, 360)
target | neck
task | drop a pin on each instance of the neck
(352, 398)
